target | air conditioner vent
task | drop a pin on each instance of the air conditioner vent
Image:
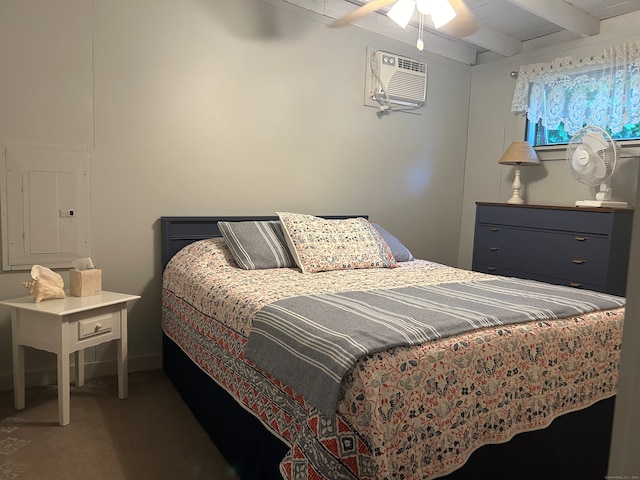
(405, 87)
(412, 65)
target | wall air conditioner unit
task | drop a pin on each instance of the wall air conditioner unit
(394, 79)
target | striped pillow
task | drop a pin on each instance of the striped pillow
(257, 244)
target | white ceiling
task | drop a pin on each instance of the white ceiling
(524, 20)
(503, 24)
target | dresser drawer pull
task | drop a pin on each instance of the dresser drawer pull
(492, 269)
(578, 261)
(495, 229)
(575, 284)
(580, 239)
(493, 249)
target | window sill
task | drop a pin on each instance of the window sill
(630, 149)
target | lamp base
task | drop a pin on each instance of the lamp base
(516, 198)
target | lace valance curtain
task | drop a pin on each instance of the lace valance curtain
(603, 90)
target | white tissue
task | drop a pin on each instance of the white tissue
(83, 264)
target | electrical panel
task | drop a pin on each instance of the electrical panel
(45, 207)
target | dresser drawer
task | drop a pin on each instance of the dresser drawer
(478, 267)
(576, 258)
(547, 219)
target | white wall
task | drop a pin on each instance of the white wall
(216, 107)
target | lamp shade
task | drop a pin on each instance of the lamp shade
(520, 153)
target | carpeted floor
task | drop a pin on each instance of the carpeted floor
(149, 435)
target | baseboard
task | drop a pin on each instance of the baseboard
(48, 376)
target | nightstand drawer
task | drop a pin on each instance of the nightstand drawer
(96, 326)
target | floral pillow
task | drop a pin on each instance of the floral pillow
(318, 244)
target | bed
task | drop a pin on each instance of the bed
(514, 398)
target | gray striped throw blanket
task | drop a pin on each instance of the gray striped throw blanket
(311, 342)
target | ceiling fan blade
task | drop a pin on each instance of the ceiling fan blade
(358, 13)
(463, 24)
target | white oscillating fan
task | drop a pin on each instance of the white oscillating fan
(592, 156)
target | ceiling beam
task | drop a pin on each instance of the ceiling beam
(562, 14)
(493, 40)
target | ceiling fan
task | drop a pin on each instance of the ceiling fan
(451, 16)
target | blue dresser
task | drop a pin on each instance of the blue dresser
(579, 247)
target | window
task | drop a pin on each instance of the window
(561, 97)
(537, 135)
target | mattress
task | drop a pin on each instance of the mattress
(409, 411)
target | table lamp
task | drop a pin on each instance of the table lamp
(520, 153)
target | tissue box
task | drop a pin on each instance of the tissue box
(83, 283)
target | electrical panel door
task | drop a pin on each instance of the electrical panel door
(45, 207)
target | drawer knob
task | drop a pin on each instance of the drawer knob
(575, 284)
(578, 261)
(580, 239)
(492, 269)
(495, 229)
(493, 249)
(98, 327)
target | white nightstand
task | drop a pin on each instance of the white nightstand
(65, 326)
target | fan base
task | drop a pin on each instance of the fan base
(601, 203)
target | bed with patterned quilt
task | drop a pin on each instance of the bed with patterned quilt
(320, 348)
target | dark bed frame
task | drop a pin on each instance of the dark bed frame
(574, 446)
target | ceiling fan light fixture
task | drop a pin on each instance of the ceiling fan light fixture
(424, 6)
(401, 12)
(441, 12)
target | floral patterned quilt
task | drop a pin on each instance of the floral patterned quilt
(407, 412)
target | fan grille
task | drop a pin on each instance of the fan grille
(592, 155)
